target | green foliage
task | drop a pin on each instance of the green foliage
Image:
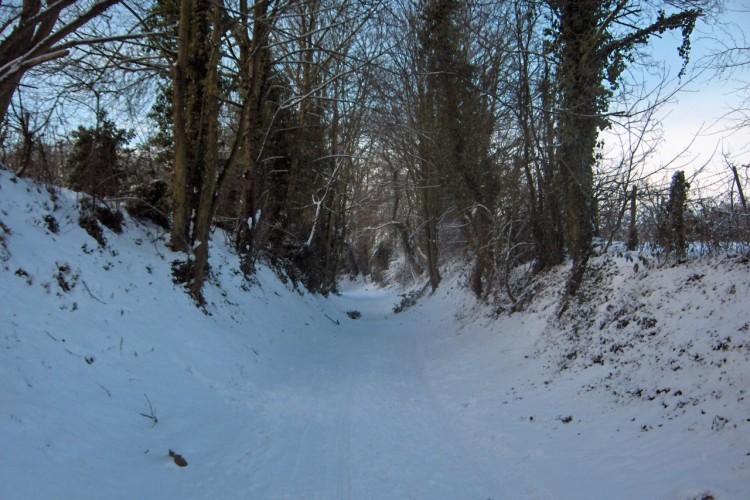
(93, 165)
(93, 215)
(161, 114)
(163, 22)
(150, 201)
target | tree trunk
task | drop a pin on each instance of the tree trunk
(180, 237)
(633, 228)
(478, 282)
(676, 211)
(308, 26)
(739, 188)
(430, 206)
(580, 85)
(554, 242)
(208, 194)
(254, 52)
(195, 115)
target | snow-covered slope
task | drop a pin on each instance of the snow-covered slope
(639, 393)
(106, 366)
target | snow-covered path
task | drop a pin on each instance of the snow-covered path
(411, 406)
(357, 419)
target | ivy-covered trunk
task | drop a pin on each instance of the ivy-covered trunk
(254, 55)
(678, 191)
(592, 56)
(208, 190)
(580, 82)
(195, 120)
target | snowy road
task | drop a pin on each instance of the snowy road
(355, 418)
(269, 393)
(410, 405)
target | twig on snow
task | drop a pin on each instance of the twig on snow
(334, 321)
(151, 414)
(91, 294)
(107, 390)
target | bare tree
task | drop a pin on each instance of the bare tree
(34, 33)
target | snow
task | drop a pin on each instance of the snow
(106, 366)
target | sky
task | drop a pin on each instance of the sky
(701, 119)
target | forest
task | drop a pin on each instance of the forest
(367, 137)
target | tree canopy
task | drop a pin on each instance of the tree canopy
(330, 137)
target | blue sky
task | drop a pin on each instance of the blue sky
(702, 113)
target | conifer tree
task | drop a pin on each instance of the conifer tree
(93, 164)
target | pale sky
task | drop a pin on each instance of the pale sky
(702, 112)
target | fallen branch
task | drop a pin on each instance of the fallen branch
(334, 321)
(91, 294)
(66, 349)
(107, 390)
(151, 415)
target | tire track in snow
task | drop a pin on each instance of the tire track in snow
(300, 449)
(402, 443)
(488, 456)
(344, 436)
(356, 417)
(310, 416)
